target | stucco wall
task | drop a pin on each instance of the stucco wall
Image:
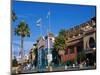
(86, 39)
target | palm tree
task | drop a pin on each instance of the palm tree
(13, 16)
(63, 35)
(60, 43)
(22, 30)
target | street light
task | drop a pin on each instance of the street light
(94, 49)
(49, 55)
(94, 57)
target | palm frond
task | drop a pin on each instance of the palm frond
(22, 29)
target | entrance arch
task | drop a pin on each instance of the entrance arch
(91, 42)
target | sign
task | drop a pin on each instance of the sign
(49, 57)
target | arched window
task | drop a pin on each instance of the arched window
(91, 42)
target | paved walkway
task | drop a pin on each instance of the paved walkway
(59, 69)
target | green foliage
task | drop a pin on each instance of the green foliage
(14, 62)
(36, 55)
(62, 33)
(13, 16)
(81, 56)
(75, 60)
(22, 29)
(56, 57)
(60, 41)
(68, 63)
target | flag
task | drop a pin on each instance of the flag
(19, 53)
(38, 22)
(48, 14)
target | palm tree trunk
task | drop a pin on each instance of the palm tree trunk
(61, 59)
(22, 51)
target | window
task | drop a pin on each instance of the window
(91, 42)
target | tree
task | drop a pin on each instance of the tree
(13, 16)
(56, 58)
(36, 55)
(60, 43)
(14, 62)
(64, 34)
(81, 56)
(22, 30)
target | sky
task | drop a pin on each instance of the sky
(62, 16)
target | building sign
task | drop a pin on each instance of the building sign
(49, 57)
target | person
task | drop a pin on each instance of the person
(28, 66)
(73, 65)
(66, 67)
(87, 62)
(84, 63)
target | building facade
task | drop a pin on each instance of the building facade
(83, 41)
(45, 45)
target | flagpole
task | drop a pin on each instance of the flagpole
(41, 28)
(49, 30)
(49, 53)
(49, 19)
(39, 24)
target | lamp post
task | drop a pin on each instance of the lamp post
(49, 56)
(94, 56)
(94, 49)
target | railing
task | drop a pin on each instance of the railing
(75, 38)
(88, 50)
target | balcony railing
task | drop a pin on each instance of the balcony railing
(75, 38)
